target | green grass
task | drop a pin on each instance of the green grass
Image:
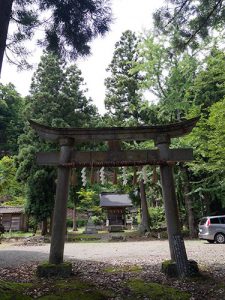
(16, 234)
(82, 237)
(156, 291)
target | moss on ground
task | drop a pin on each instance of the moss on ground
(71, 289)
(51, 270)
(77, 295)
(74, 289)
(124, 269)
(12, 290)
(156, 291)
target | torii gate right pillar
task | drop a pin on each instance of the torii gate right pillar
(169, 195)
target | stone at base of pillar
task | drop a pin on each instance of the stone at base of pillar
(169, 268)
(51, 270)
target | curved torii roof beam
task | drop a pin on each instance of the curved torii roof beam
(140, 133)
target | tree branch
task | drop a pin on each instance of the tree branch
(177, 13)
(204, 23)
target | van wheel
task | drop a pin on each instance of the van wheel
(220, 238)
(210, 241)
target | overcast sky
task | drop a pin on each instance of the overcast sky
(135, 15)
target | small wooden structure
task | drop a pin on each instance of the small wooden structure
(115, 206)
(13, 218)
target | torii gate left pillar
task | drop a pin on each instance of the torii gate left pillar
(60, 208)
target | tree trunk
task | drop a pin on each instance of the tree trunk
(207, 204)
(51, 222)
(188, 202)
(74, 217)
(145, 218)
(5, 14)
(44, 227)
(26, 223)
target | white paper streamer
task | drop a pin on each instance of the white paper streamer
(124, 175)
(102, 175)
(84, 176)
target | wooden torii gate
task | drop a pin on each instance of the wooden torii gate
(68, 158)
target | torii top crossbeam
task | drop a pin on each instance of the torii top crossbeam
(115, 133)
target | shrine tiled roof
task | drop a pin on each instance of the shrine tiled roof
(11, 209)
(115, 200)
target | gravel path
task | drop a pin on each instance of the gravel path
(147, 252)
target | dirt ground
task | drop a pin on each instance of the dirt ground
(91, 260)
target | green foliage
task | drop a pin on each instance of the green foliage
(17, 201)
(209, 84)
(216, 138)
(57, 95)
(9, 186)
(188, 86)
(57, 99)
(157, 216)
(86, 198)
(11, 105)
(81, 223)
(123, 93)
(99, 220)
(188, 23)
(69, 223)
(68, 26)
(40, 194)
(168, 78)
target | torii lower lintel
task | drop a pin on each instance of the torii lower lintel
(116, 158)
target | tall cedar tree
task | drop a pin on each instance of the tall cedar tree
(69, 25)
(123, 95)
(57, 99)
(123, 98)
(11, 119)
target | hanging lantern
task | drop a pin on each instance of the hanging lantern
(84, 176)
(154, 175)
(102, 175)
(115, 176)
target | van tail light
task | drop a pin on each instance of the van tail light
(207, 223)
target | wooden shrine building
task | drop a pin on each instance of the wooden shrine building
(115, 206)
(13, 218)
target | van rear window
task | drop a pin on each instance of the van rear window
(222, 220)
(215, 221)
(203, 221)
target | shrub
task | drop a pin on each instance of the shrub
(69, 223)
(81, 223)
(157, 217)
(97, 220)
